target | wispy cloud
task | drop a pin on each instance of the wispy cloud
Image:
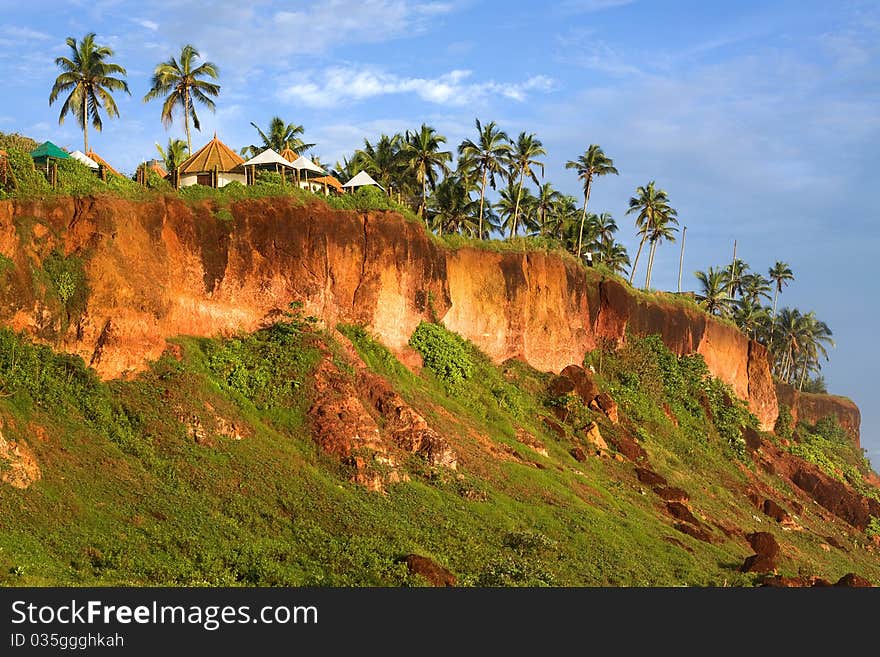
(586, 6)
(341, 84)
(147, 24)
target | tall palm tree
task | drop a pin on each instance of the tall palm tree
(383, 161)
(422, 153)
(713, 296)
(88, 76)
(510, 199)
(736, 275)
(592, 163)
(662, 229)
(814, 336)
(451, 207)
(653, 207)
(604, 226)
(180, 84)
(523, 160)
(174, 154)
(487, 156)
(780, 274)
(279, 136)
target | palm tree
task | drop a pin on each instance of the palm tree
(179, 83)
(487, 156)
(524, 155)
(750, 316)
(613, 255)
(545, 201)
(653, 207)
(661, 230)
(604, 226)
(383, 161)
(753, 287)
(89, 78)
(780, 275)
(813, 337)
(451, 208)
(345, 170)
(509, 200)
(592, 163)
(736, 275)
(279, 136)
(174, 154)
(713, 296)
(422, 153)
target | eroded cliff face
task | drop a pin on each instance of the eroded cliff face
(163, 268)
(812, 408)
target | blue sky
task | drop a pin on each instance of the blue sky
(760, 119)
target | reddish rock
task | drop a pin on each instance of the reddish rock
(604, 403)
(681, 512)
(594, 437)
(779, 581)
(436, 574)
(554, 426)
(671, 494)
(759, 564)
(650, 477)
(582, 382)
(578, 454)
(775, 511)
(753, 438)
(628, 447)
(764, 544)
(853, 581)
(813, 407)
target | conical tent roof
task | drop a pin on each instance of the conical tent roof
(79, 156)
(362, 179)
(302, 162)
(48, 149)
(288, 154)
(213, 155)
(268, 156)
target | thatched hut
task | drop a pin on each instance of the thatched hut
(213, 165)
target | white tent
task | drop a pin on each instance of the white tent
(304, 163)
(79, 156)
(362, 179)
(268, 157)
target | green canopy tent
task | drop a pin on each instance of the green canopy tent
(46, 151)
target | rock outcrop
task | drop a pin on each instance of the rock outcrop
(811, 408)
(163, 267)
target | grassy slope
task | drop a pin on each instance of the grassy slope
(127, 497)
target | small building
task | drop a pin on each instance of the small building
(213, 165)
(361, 179)
(268, 160)
(46, 152)
(329, 184)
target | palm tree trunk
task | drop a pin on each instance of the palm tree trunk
(425, 199)
(522, 174)
(651, 252)
(775, 297)
(482, 194)
(584, 216)
(803, 376)
(632, 273)
(189, 145)
(85, 118)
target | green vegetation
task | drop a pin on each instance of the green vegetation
(784, 427)
(68, 282)
(444, 352)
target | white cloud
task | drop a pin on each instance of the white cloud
(585, 6)
(150, 25)
(341, 84)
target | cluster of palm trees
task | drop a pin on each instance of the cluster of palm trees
(416, 168)
(797, 341)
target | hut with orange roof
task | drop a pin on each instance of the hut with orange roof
(213, 165)
(104, 167)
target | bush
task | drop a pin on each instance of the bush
(873, 528)
(29, 181)
(76, 179)
(445, 353)
(14, 140)
(784, 427)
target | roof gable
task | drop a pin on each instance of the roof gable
(213, 155)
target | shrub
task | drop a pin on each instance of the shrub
(873, 528)
(14, 140)
(76, 179)
(445, 353)
(784, 427)
(29, 181)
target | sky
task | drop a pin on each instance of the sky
(761, 119)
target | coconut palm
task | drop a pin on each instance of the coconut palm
(653, 208)
(662, 229)
(780, 275)
(545, 201)
(750, 316)
(180, 84)
(451, 207)
(613, 255)
(754, 287)
(510, 199)
(383, 161)
(174, 155)
(421, 152)
(736, 273)
(592, 163)
(713, 295)
(604, 226)
(88, 76)
(814, 337)
(487, 156)
(523, 161)
(278, 137)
